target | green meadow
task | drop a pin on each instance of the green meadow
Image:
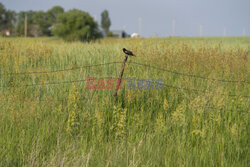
(200, 117)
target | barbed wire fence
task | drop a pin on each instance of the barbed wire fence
(13, 74)
(188, 75)
(60, 70)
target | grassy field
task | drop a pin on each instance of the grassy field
(49, 118)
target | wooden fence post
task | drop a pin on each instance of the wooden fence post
(120, 77)
(25, 25)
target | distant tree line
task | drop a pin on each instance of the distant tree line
(71, 25)
(39, 23)
(7, 19)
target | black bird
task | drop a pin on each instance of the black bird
(127, 52)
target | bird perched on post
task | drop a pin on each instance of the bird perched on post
(127, 52)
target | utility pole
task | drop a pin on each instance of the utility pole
(201, 30)
(25, 26)
(225, 31)
(124, 27)
(244, 31)
(140, 26)
(173, 28)
(95, 18)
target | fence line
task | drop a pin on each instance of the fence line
(188, 75)
(45, 84)
(54, 83)
(61, 70)
(130, 62)
(77, 81)
(149, 66)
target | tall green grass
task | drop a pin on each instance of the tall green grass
(69, 125)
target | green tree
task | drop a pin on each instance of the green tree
(53, 13)
(7, 18)
(39, 23)
(76, 25)
(2, 16)
(105, 22)
(40, 19)
(9, 21)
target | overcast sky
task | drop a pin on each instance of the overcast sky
(217, 17)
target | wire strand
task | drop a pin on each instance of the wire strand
(61, 70)
(188, 75)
